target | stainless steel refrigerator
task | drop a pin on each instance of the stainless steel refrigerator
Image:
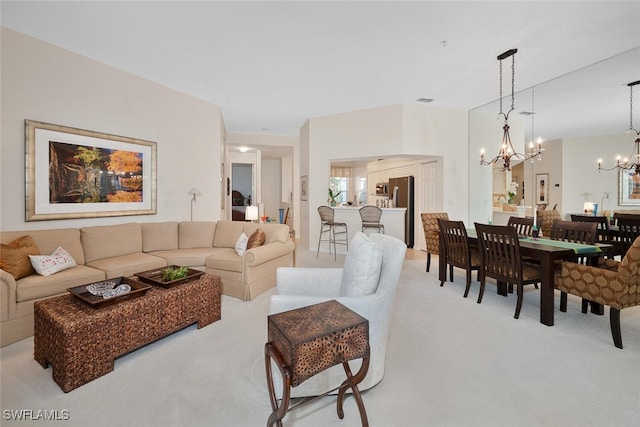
(401, 191)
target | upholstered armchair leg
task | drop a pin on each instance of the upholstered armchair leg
(614, 318)
(428, 261)
(563, 302)
(585, 306)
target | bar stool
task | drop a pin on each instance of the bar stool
(338, 234)
(370, 216)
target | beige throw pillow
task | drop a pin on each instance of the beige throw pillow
(14, 256)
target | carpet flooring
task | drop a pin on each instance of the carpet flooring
(450, 362)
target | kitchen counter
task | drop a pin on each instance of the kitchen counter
(392, 218)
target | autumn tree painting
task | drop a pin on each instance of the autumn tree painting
(82, 174)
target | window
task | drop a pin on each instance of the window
(341, 184)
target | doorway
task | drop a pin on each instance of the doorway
(241, 189)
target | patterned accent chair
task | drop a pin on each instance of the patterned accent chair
(432, 233)
(547, 218)
(617, 289)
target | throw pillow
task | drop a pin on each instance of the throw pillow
(361, 271)
(241, 244)
(46, 265)
(14, 256)
(256, 239)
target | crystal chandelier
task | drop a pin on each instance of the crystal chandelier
(633, 161)
(507, 151)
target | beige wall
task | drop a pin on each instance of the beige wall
(45, 83)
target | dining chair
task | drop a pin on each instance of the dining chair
(432, 233)
(522, 225)
(546, 219)
(458, 251)
(337, 231)
(629, 230)
(617, 289)
(501, 260)
(575, 232)
(603, 232)
(370, 216)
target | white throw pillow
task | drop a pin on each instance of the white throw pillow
(362, 265)
(46, 265)
(241, 244)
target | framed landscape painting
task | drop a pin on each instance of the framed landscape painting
(76, 173)
(629, 188)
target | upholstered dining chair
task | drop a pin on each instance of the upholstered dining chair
(367, 285)
(432, 233)
(458, 253)
(337, 233)
(617, 289)
(522, 225)
(546, 219)
(370, 216)
(501, 260)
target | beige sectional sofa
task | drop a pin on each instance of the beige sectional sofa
(104, 252)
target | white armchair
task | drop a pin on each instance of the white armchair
(367, 285)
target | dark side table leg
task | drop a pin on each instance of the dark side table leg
(278, 412)
(352, 382)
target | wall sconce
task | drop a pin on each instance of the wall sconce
(193, 193)
(251, 213)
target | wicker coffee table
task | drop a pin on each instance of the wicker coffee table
(308, 340)
(81, 342)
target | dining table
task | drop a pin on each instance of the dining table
(546, 252)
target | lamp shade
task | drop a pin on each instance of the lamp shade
(251, 213)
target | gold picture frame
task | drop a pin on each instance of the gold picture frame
(77, 173)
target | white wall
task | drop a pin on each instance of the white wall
(271, 172)
(45, 83)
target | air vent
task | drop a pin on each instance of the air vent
(527, 113)
(427, 100)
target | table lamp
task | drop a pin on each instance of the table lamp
(251, 213)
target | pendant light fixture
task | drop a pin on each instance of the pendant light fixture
(507, 151)
(633, 161)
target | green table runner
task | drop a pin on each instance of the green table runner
(578, 248)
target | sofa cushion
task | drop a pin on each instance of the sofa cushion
(197, 234)
(46, 265)
(49, 240)
(14, 256)
(272, 232)
(361, 271)
(127, 265)
(193, 257)
(256, 239)
(108, 241)
(36, 286)
(227, 233)
(159, 236)
(225, 259)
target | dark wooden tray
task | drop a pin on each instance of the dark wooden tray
(137, 290)
(154, 277)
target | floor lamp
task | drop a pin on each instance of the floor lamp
(193, 193)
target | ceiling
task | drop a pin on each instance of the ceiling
(272, 65)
